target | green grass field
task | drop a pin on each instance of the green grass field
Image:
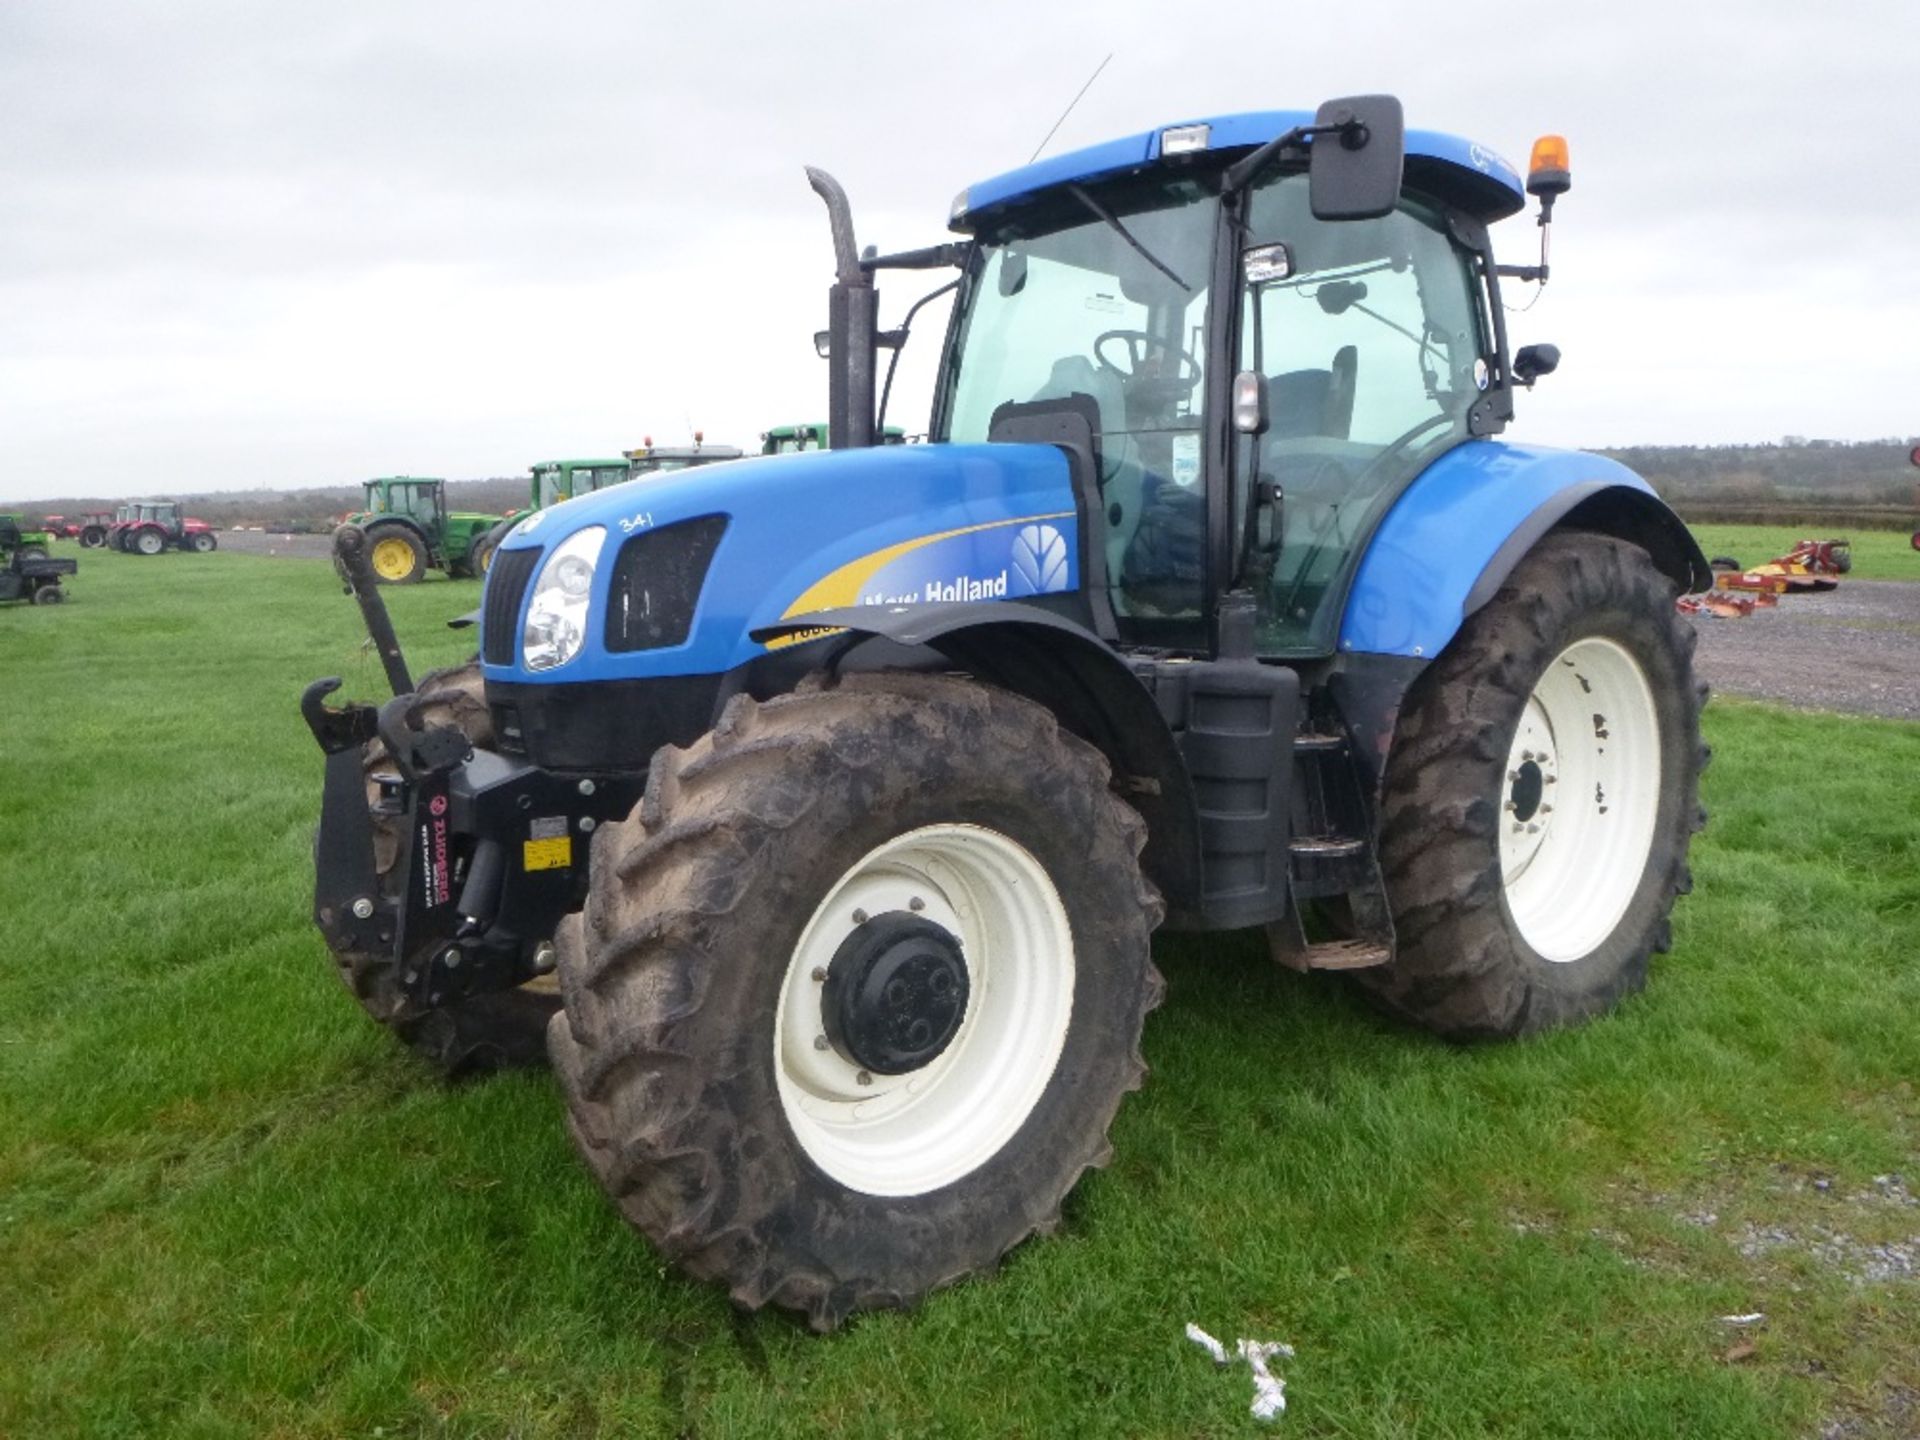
(1877, 554)
(229, 1207)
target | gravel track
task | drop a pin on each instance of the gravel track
(1855, 649)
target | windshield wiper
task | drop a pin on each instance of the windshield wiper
(1125, 234)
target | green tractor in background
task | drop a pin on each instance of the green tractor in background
(652, 459)
(19, 540)
(552, 482)
(789, 439)
(410, 530)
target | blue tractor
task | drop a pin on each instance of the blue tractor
(842, 792)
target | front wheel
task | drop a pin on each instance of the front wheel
(49, 595)
(1540, 797)
(203, 543)
(857, 991)
(396, 555)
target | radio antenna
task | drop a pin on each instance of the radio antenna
(1069, 110)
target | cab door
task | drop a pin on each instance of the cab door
(1370, 337)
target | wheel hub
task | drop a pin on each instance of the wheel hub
(895, 993)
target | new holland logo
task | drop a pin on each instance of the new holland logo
(1040, 559)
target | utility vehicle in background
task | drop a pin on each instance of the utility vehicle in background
(26, 571)
(845, 790)
(410, 530)
(16, 538)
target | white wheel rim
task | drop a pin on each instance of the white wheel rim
(911, 1134)
(1580, 797)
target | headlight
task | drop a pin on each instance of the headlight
(556, 625)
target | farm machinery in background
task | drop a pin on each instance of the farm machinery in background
(410, 530)
(789, 439)
(89, 529)
(151, 526)
(554, 481)
(27, 572)
(842, 792)
(1811, 567)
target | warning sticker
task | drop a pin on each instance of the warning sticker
(554, 854)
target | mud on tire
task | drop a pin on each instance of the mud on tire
(492, 1031)
(700, 906)
(1464, 966)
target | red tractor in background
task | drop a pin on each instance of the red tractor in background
(157, 524)
(1914, 456)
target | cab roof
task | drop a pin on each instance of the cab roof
(1475, 178)
(577, 464)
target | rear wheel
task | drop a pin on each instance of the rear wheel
(396, 554)
(485, 1032)
(1540, 797)
(857, 991)
(92, 538)
(49, 595)
(149, 542)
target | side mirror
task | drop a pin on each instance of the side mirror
(823, 344)
(1533, 361)
(1354, 173)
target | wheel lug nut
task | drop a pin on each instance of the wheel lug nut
(863, 1078)
(859, 917)
(363, 909)
(1532, 829)
(916, 904)
(1512, 806)
(820, 1043)
(820, 973)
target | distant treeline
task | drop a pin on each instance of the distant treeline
(1794, 480)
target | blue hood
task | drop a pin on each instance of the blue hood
(822, 529)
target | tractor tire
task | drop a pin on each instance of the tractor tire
(1540, 796)
(93, 538)
(148, 542)
(728, 912)
(49, 595)
(500, 1030)
(396, 555)
(480, 558)
(203, 543)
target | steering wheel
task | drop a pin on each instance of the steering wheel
(1142, 346)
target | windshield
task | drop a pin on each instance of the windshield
(552, 484)
(1062, 303)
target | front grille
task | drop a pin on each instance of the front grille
(656, 584)
(507, 580)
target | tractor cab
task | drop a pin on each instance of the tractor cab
(1260, 380)
(791, 439)
(651, 459)
(422, 501)
(557, 480)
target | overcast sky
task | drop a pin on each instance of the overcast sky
(247, 243)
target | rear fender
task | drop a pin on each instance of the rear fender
(1455, 535)
(1064, 666)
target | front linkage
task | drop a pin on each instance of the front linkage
(491, 853)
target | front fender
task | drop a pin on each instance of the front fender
(1053, 661)
(1456, 533)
